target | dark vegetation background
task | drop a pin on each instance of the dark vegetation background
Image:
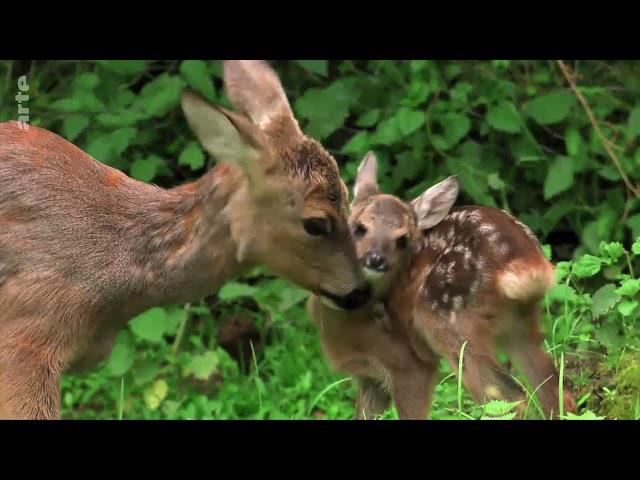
(519, 134)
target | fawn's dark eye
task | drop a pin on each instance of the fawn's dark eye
(402, 242)
(360, 230)
(318, 227)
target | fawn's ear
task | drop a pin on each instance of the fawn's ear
(229, 137)
(434, 204)
(366, 183)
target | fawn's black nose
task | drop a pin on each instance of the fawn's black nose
(375, 261)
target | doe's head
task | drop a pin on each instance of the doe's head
(291, 212)
(387, 231)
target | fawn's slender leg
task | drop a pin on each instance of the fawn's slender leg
(524, 347)
(372, 400)
(413, 391)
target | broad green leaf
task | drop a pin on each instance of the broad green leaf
(193, 156)
(147, 370)
(635, 248)
(326, 108)
(369, 118)
(455, 127)
(202, 366)
(604, 299)
(561, 293)
(559, 177)
(196, 74)
(122, 355)
(85, 81)
(586, 266)
(121, 138)
(612, 251)
(572, 141)
(587, 415)
(67, 105)
(504, 117)
(150, 325)
(629, 287)
(627, 307)
(550, 108)
(161, 95)
(121, 119)
(155, 394)
(101, 149)
(144, 169)
(74, 125)
(359, 143)
(500, 407)
(235, 290)
(409, 121)
(633, 222)
(124, 67)
(175, 316)
(633, 125)
(315, 66)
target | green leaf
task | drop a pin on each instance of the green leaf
(319, 67)
(559, 177)
(604, 299)
(587, 415)
(455, 127)
(155, 394)
(504, 117)
(150, 325)
(369, 118)
(121, 138)
(633, 222)
(196, 74)
(629, 287)
(122, 355)
(572, 141)
(85, 82)
(561, 293)
(101, 149)
(74, 125)
(235, 290)
(161, 95)
(146, 370)
(633, 125)
(409, 121)
(550, 108)
(612, 251)
(144, 169)
(193, 156)
(359, 143)
(500, 407)
(326, 108)
(67, 105)
(202, 366)
(586, 266)
(627, 307)
(635, 248)
(124, 67)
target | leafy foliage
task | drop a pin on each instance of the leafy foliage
(512, 131)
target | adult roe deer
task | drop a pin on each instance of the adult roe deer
(84, 248)
(447, 276)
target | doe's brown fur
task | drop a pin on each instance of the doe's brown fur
(84, 248)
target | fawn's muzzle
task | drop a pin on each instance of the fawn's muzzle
(354, 299)
(375, 261)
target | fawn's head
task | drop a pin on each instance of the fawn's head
(290, 213)
(387, 231)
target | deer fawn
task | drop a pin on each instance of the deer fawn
(448, 276)
(84, 248)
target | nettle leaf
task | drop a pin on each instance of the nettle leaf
(74, 125)
(193, 156)
(635, 248)
(144, 169)
(455, 127)
(629, 287)
(417, 94)
(101, 149)
(586, 266)
(586, 415)
(633, 124)
(155, 394)
(161, 95)
(409, 121)
(121, 139)
(196, 74)
(559, 177)
(358, 144)
(627, 307)
(122, 355)
(325, 108)
(561, 293)
(369, 118)
(85, 81)
(504, 117)
(550, 108)
(146, 370)
(562, 270)
(604, 300)
(320, 67)
(234, 290)
(202, 366)
(612, 251)
(497, 408)
(572, 140)
(150, 325)
(67, 105)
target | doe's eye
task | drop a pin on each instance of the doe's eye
(360, 230)
(317, 227)
(402, 242)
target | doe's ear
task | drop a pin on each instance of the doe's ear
(227, 136)
(366, 183)
(434, 204)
